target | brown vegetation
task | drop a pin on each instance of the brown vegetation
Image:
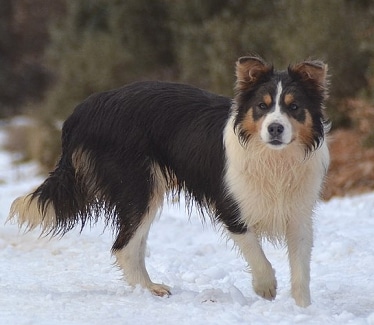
(352, 154)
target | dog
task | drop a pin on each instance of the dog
(255, 164)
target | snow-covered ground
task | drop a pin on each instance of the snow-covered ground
(73, 280)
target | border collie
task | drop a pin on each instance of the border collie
(255, 164)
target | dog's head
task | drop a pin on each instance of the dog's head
(281, 107)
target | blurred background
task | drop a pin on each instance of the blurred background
(53, 54)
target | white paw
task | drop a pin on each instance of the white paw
(265, 286)
(266, 290)
(160, 290)
(302, 297)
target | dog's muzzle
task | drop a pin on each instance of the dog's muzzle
(275, 131)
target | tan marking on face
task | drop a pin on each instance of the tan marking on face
(267, 100)
(249, 125)
(288, 99)
(304, 131)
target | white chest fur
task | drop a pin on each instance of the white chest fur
(272, 186)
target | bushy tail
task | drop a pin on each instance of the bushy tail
(56, 206)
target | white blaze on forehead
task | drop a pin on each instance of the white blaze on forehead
(277, 97)
(276, 116)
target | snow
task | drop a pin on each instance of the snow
(73, 280)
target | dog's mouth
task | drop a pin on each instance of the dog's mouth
(276, 142)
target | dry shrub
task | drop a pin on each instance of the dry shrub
(28, 140)
(16, 140)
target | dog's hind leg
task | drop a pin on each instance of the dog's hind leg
(130, 245)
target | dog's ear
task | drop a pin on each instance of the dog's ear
(249, 71)
(313, 73)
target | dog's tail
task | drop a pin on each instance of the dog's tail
(57, 205)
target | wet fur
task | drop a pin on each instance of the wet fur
(125, 149)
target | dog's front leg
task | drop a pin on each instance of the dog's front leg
(300, 241)
(263, 276)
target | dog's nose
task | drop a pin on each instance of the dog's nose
(275, 129)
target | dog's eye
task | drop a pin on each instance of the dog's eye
(293, 107)
(262, 106)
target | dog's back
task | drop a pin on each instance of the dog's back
(116, 144)
(174, 127)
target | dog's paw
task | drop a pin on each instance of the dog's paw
(160, 290)
(266, 287)
(302, 297)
